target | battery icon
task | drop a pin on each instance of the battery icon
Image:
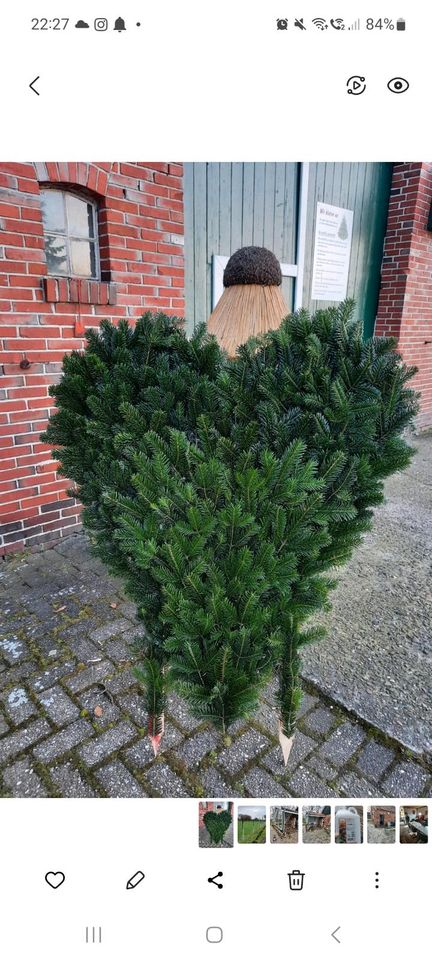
(400, 24)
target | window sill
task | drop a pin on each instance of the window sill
(71, 290)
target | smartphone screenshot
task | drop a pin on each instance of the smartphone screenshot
(215, 480)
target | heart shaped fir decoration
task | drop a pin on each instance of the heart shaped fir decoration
(217, 824)
(224, 491)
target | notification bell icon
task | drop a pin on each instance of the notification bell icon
(119, 25)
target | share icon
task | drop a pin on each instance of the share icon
(213, 880)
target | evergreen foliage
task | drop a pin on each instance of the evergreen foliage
(225, 492)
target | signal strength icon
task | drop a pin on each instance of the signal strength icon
(320, 23)
(355, 25)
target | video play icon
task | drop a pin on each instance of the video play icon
(356, 85)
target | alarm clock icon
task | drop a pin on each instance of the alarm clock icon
(282, 24)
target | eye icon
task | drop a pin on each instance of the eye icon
(398, 85)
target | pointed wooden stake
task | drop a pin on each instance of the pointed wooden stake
(285, 742)
(156, 728)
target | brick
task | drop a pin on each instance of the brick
(242, 751)
(63, 741)
(407, 779)
(195, 748)
(21, 780)
(258, 783)
(342, 744)
(69, 782)
(85, 678)
(17, 742)
(374, 760)
(118, 782)
(106, 743)
(18, 705)
(164, 782)
(59, 706)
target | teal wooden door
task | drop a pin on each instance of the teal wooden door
(229, 205)
(232, 205)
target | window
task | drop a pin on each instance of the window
(70, 225)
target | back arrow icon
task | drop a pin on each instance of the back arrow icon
(32, 86)
(334, 934)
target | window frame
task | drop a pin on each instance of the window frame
(68, 237)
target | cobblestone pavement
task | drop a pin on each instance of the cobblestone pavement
(72, 722)
(377, 656)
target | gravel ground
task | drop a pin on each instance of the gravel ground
(377, 657)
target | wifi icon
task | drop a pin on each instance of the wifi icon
(320, 23)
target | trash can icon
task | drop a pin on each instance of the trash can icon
(296, 880)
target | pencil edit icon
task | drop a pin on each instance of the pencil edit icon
(135, 880)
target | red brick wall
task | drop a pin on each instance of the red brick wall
(405, 302)
(140, 210)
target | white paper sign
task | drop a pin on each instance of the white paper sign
(333, 235)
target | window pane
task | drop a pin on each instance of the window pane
(83, 260)
(53, 210)
(56, 254)
(80, 217)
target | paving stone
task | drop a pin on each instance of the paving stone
(274, 761)
(308, 701)
(63, 741)
(258, 783)
(234, 728)
(243, 750)
(343, 743)
(49, 677)
(85, 678)
(195, 749)
(133, 704)
(93, 698)
(69, 781)
(105, 743)
(18, 705)
(322, 768)
(375, 759)
(3, 727)
(407, 779)
(141, 754)
(21, 780)
(13, 649)
(319, 721)
(13, 675)
(181, 713)
(122, 681)
(165, 782)
(266, 716)
(16, 742)
(59, 706)
(118, 782)
(214, 785)
(82, 648)
(350, 785)
(304, 783)
(109, 630)
(118, 650)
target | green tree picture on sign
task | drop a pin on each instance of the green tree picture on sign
(343, 229)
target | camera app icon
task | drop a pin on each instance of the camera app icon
(101, 23)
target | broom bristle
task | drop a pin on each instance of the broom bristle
(246, 310)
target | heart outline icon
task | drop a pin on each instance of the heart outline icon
(55, 880)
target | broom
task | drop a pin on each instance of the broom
(251, 304)
(252, 301)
